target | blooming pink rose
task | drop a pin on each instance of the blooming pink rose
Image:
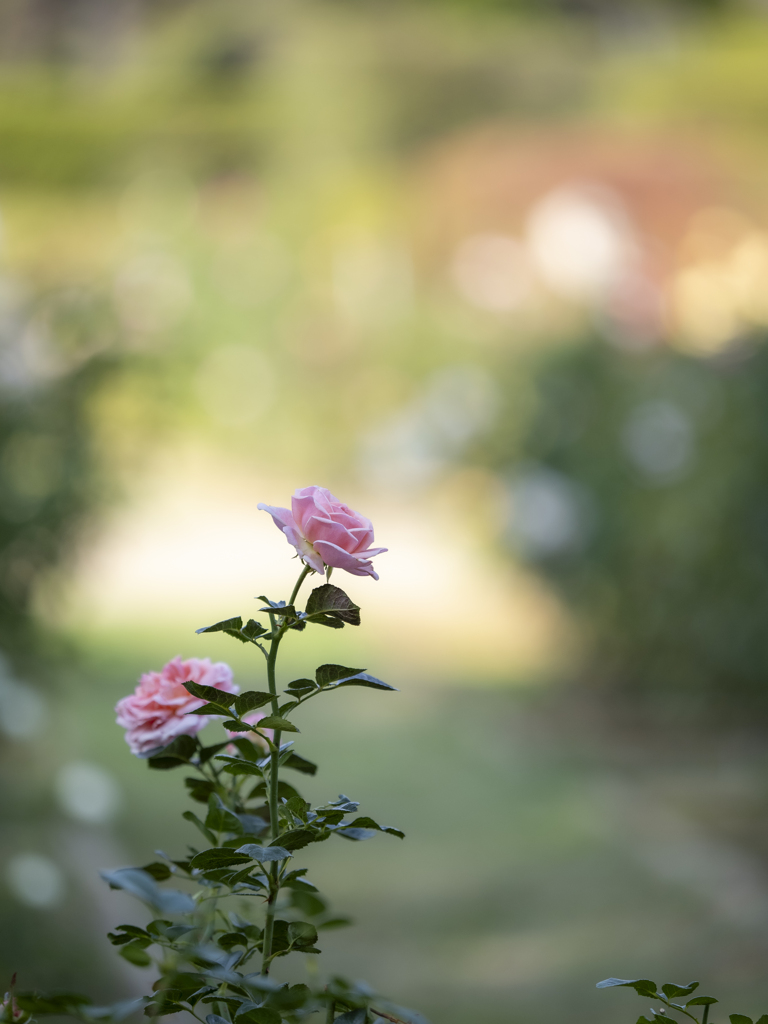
(158, 709)
(326, 532)
(252, 718)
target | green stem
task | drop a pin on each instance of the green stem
(303, 575)
(705, 1014)
(330, 1012)
(274, 778)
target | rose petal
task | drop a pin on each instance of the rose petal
(341, 559)
(319, 528)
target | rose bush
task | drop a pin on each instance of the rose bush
(326, 532)
(250, 821)
(158, 709)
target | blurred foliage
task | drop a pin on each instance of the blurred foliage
(659, 464)
(54, 356)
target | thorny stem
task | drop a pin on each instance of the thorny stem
(277, 636)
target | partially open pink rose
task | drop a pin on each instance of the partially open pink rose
(326, 532)
(157, 711)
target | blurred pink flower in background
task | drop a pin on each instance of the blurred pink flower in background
(158, 709)
(326, 532)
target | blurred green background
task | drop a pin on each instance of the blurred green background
(496, 273)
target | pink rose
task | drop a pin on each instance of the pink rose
(326, 532)
(252, 718)
(157, 711)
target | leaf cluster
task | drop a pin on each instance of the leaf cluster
(665, 994)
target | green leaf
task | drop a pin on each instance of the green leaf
(185, 982)
(330, 606)
(220, 817)
(143, 886)
(191, 816)
(218, 857)
(158, 870)
(214, 1018)
(135, 954)
(277, 723)
(245, 876)
(701, 1001)
(252, 824)
(259, 1015)
(222, 698)
(210, 709)
(232, 627)
(366, 822)
(159, 926)
(130, 932)
(300, 764)
(662, 1018)
(299, 806)
(296, 838)
(237, 766)
(642, 986)
(301, 933)
(335, 922)
(279, 608)
(199, 789)
(327, 674)
(763, 1019)
(179, 751)
(358, 1016)
(58, 1002)
(247, 748)
(672, 991)
(329, 817)
(359, 835)
(263, 854)
(301, 686)
(206, 753)
(290, 998)
(253, 629)
(330, 677)
(739, 1018)
(363, 679)
(250, 700)
(293, 880)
